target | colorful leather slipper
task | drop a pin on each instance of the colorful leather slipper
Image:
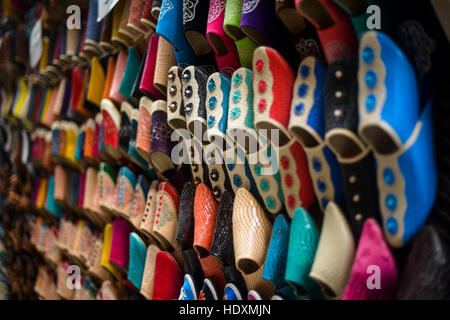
(185, 231)
(303, 241)
(275, 265)
(119, 39)
(208, 291)
(175, 106)
(148, 276)
(232, 292)
(307, 125)
(134, 18)
(240, 124)
(107, 177)
(147, 86)
(125, 127)
(272, 86)
(165, 59)
(107, 244)
(160, 138)
(148, 220)
(168, 277)
(354, 157)
(106, 32)
(195, 16)
(337, 249)
(426, 273)
(136, 93)
(111, 125)
(146, 15)
(124, 192)
(382, 66)
(119, 70)
(124, 30)
(138, 252)
(374, 272)
(188, 290)
(264, 167)
(218, 90)
(166, 220)
(303, 34)
(94, 29)
(139, 200)
(120, 246)
(255, 20)
(133, 155)
(170, 26)
(129, 73)
(194, 96)
(144, 127)
(333, 25)
(297, 185)
(223, 46)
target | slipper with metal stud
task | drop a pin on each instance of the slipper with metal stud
(218, 175)
(136, 264)
(144, 128)
(333, 26)
(195, 16)
(303, 241)
(227, 57)
(255, 18)
(170, 26)
(148, 220)
(175, 107)
(165, 59)
(272, 87)
(406, 169)
(335, 253)
(168, 277)
(355, 158)
(251, 237)
(149, 272)
(120, 246)
(373, 262)
(275, 265)
(139, 199)
(147, 86)
(307, 125)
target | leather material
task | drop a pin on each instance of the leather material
(303, 241)
(165, 59)
(146, 15)
(273, 80)
(205, 215)
(120, 246)
(107, 244)
(129, 73)
(199, 169)
(336, 248)
(218, 175)
(160, 138)
(108, 179)
(150, 209)
(139, 200)
(136, 93)
(168, 277)
(255, 15)
(185, 231)
(124, 192)
(136, 263)
(119, 39)
(255, 282)
(147, 82)
(195, 17)
(175, 105)
(119, 70)
(213, 271)
(134, 19)
(222, 245)
(189, 290)
(111, 123)
(156, 8)
(166, 220)
(144, 127)
(233, 276)
(133, 155)
(372, 250)
(106, 32)
(426, 273)
(149, 272)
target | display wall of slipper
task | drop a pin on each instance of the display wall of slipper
(333, 25)
(336, 248)
(170, 26)
(273, 80)
(149, 272)
(373, 259)
(307, 125)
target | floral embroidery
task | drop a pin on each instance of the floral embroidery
(212, 102)
(290, 201)
(259, 65)
(211, 85)
(215, 9)
(237, 79)
(211, 121)
(270, 201)
(262, 104)
(288, 180)
(302, 89)
(262, 86)
(284, 162)
(299, 108)
(264, 185)
(165, 7)
(235, 113)
(236, 96)
(167, 215)
(304, 71)
(237, 180)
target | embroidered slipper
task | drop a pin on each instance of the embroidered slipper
(119, 71)
(138, 252)
(139, 199)
(427, 257)
(111, 125)
(132, 152)
(264, 166)
(148, 220)
(125, 127)
(107, 177)
(354, 157)
(275, 265)
(147, 86)
(149, 272)
(297, 185)
(240, 124)
(168, 278)
(373, 257)
(94, 29)
(255, 15)
(272, 93)
(51, 205)
(303, 241)
(134, 19)
(146, 15)
(218, 86)
(194, 96)
(170, 26)
(94, 268)
(160, 138)
(336, 248)
(223, 46)
(120, 246)
(89, 192)
(144, 128)
(175, 110)
(307, 125)
(124, 193)
(165, 59)
(333, 26)
(166, 215)
(231, 25)
(195, 16)
(101, 149)
(385, 128)
(130, 73)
